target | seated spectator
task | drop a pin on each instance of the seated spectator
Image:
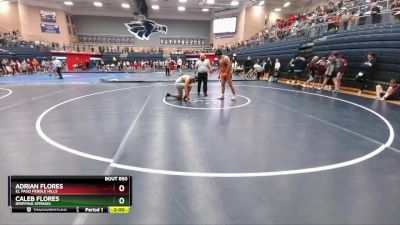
(248, 65)
(395, 7)
(258, 69)
(349, 21)
(392, 93)
(375, 13)
(336, 21)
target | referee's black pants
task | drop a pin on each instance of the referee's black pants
(202, 77)
(59, 72)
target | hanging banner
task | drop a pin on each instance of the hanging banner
(49, 28)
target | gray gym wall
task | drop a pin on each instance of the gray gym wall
(115, 25)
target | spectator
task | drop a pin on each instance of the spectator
(143, 65)
(321, 69)
(179, 66)
(258, 69)
(235, 65)
(167, 67)
(349, 21)
(312, 71)
(392, 93)
(29, 67)
(299, 66)
(332, 70)
(375, 13)
(24, 66)
(336, 21)
(267, 68)
(395, 7)
(172, 67)
(290, 70)
(3, 66)
(248, 65)
(35, 65)
(367, 72)
(13, 67)
(18, 66)
(342, 70)
(277, 68)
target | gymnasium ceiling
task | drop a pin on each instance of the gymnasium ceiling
(168, 9)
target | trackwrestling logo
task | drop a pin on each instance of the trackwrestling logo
(143, 29)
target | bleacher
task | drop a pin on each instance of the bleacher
(382, 39)
(27, 52)
(4, 54)
(284, 50)
(354, 44)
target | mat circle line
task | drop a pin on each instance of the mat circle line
(6, 95)
(248, 101)
(219, 175)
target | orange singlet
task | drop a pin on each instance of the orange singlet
(226, 73)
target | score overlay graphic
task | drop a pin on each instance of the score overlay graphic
(70, 194)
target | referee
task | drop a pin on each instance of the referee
(202, 68)
(57, 66)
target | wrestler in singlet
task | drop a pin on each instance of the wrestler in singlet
(225, 68)
(225, 74)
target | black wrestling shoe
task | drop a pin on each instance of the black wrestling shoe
(205, 95)
(167, 95)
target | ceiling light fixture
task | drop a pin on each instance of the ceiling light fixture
(205, 10)
(210, 2)
(155, 7)
(68, 3)
(234, 3)
(181, 8)
(286, 4)
(277, 9)
(125, 5)
(261, 3)
(98, 4)
(182, 1)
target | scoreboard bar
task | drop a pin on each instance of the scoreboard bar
(111, 210)
(70, 194)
